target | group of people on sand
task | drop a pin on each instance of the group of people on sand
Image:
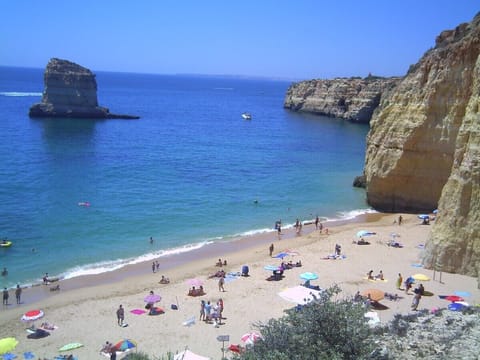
(193, 291)
(221, 263)
(209, 312)
(379, 276)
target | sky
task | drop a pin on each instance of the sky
(287, 39)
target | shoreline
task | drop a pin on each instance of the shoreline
(84, 309)
(38, 291)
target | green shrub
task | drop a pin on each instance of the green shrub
(325, 329)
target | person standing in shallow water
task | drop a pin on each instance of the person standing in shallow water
(5, 296)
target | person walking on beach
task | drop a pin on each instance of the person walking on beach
(153, 267)
(317, 220)
(221, 282)
(120, 315)
(202, 310)
(5, 296)
(416, 300)
(270, 249)
(400, 219)
(18, 293)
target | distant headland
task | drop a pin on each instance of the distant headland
(71, 91)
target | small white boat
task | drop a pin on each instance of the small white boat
(247, 116)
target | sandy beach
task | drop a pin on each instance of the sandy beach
(84, 310)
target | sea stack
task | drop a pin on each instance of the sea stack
(71, 92)
(423, 149)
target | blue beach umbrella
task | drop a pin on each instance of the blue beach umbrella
(435, 211)
(462, 293)
(271, 268)
(308, 276)
(423, 216)
(456, 307)
(281, 255)
(363, 233)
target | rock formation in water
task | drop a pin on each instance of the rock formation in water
(352, 99)
(423, 148)
(71, 91)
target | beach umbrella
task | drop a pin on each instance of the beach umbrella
(292, 252)
(375, 294)
(251, 338)
(32, 315)
(364, 233)
(195, 282)
(423, 216)
(70, 346)
(189, 355)
(452, 298)
(7, 344)
(152, 298)
(125, 345)
(308, 276)
(271, 268)
(456, 306)
(421, 277)
(281, 255)
(299, 294)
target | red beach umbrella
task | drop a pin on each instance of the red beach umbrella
(32, 315)
(452, 298)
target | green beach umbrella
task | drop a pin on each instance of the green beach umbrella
(70, 346)
(7, 344)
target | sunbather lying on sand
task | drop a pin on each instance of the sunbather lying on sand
(219, 273)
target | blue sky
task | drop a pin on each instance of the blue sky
(301, 39)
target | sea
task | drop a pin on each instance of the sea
(81, 197)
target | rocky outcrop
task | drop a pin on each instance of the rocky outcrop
(71, 91)
(423, 148)
(352, 99)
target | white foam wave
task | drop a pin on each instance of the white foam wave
(223, 88)
(17, 93)
(347, 215)
(107, 266)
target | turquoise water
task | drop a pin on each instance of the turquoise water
(187, 173)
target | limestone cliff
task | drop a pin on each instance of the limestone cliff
(70, 91)
(352, 99)
(423, 148)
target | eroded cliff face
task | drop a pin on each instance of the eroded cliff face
(70, 91)
(423, 148)
(352, 99)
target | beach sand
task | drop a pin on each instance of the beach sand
(85, 308)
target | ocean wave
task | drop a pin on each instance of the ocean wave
(107, 266)
(348, 215)
(18, 93)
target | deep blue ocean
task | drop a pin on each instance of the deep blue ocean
(187, 173)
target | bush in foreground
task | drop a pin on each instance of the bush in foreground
(327, 328)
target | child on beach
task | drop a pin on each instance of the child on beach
(399, 281)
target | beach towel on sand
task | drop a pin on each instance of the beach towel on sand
(138, 311)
